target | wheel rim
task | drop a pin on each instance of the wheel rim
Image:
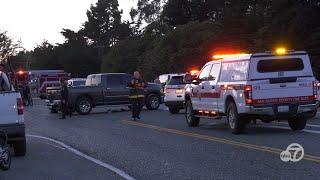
(232, 119)
(154, 102)
(84, 106)
(5, 158)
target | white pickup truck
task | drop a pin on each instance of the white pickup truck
(11, 116)
(245, 87)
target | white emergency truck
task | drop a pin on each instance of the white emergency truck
(11, 116)
(244, 87)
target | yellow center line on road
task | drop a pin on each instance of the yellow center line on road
(216, 139)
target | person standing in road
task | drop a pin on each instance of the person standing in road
(64, 99)
(26, 94)
(136, 95)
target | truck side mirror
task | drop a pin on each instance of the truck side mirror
(196, 81)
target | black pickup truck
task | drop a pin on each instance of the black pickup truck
(109, 89)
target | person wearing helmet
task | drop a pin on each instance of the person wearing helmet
(136, 95)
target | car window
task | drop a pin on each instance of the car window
(215, 71)
(204, 74)
(234, 71)
(176, 80)
(280, 65)
(114, 81)
(96, 80)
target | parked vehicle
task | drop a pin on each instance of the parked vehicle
(12, 119)
(245, 87)
(174, 93)
(5, 155)
(53, 100)
(104, 89)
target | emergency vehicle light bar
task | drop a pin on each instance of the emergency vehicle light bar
(223, 56)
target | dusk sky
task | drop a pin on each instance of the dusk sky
(32, 21)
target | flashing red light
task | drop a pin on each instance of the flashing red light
(20, 72)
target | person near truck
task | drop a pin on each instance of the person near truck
(26, 93)
(136, 95)
(64, 99)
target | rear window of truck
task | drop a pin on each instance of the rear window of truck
(176, 80)
(280, 65)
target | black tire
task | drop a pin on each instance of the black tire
(6, 163)
(54, 110)
(174, 110)
(153, 102)
(297, 123)
(20, 148)
(83, 106)
(192, 121)
(234, 121)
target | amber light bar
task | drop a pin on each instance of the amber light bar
(223, 56)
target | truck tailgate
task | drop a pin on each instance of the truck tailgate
(8, 108)
(265, 92)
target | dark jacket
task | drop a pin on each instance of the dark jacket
(64, 93)
(137, 88)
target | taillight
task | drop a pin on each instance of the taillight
(315, 90)
(165, 91)
(248, 94)
(20, 106)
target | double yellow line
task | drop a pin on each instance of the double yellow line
(219, 140)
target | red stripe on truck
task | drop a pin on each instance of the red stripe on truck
(283, 100)
(210, 95)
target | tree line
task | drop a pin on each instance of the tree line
(165, 36)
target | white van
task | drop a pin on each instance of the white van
(11, 116)
(245, 87)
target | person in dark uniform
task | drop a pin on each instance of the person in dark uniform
(64, 99)
(136, 95)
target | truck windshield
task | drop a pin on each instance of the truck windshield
(280, 65)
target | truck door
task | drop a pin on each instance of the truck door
(116, 91)
(199, 89)
(211, 91)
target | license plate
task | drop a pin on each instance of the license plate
(283, 108)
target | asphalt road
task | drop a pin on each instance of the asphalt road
(160, 146)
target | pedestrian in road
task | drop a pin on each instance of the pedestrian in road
(26, 94)
(64, 99)
(137, 95)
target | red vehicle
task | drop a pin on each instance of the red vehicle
(39, 80)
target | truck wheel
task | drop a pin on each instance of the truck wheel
(153, 102)
(192, 121)
(54, 111)
(174, 110)
(234, 121)
(84, 106)
(297, 123)
(20, 148)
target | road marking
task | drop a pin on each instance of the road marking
(216, 139)
(77, 152)
(309, 125)
(287, 128)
